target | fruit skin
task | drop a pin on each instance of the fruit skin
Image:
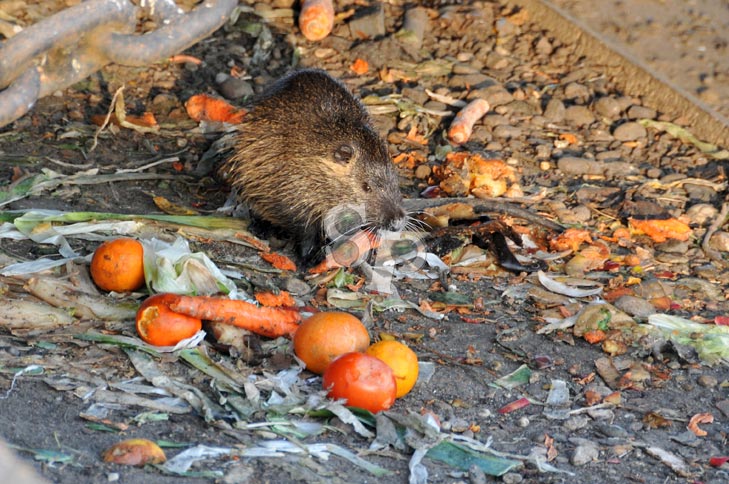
(402, 360)
(158, 325)
(362, 380)
(118, 265)
(134, 452)
(326, 335)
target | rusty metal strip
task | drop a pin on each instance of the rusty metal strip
(629, 73)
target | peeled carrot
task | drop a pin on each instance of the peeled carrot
(462, 126)
(283, 298)
(316, 19)
(269, 322)
(203, 107)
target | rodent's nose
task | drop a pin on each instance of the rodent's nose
(396, 219)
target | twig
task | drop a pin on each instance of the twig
(721, 219)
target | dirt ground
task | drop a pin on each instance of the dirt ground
(578, 161)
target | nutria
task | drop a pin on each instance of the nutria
(307, 148)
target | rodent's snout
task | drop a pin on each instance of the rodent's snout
(394, 218)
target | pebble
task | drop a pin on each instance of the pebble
(506, 131)
(619, 169)
(422, 172)
(555, 111)
(707, 381)
(578, 116)
(584, 454)
(723, 406)
(297, 287)
(512, 478)
(673, 247)
(576, 422)
(699, 192)
(496, 95)
(573, 165)
(635, 306)
(476, 475)
(640, 112)
(720, 241)
(575, 91)
(612, 430)
(607, 107)
(630, 131)
(543, 46)
(494, 120)
(702, 213)
(369, 23)
(233, 88)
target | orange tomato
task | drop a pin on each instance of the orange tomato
(327, 335)
(402, 360)
(158, 325)
(362, 380)
(118, 265)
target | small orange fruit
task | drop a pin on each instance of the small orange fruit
(134, 452)
(327, 335)
(362, 380)
(118, 265)
(402, 360)
(159, 325)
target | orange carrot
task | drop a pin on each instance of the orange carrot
(360, 66)
(184, 58)
(462, 126)
(279, 261)
(316, 19)
(203, 107)
(283, 298)
(269, 322)
(347, 253)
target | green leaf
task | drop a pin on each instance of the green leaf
(462, 458)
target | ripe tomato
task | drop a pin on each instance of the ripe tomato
(362, 380)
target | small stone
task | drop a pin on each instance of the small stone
(494, 120)
(543, 152)
(573, 165)
(707, 381)
(459, 425)
(476, 475)
(575, 91)
(673, 246)
(702, 213)
(555, 110)
(607, 107)
(612, 430)
(723, 406)
(297, 287)
(700, 193)
(506, 131)
(654, 173)
(422, 172)
(234, 88)
(512, 478)
(496, 95)
(584, 454)
(369, 23)
(720, 241)
(630, 131)
(620, 169)
(635, 306)
(610, 155)
(578, 116)
(641, 112)
(543, 46)
(418, 95)
(576, 422)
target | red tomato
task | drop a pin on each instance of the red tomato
(362, 380)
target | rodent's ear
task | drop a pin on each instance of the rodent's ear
(343, 154)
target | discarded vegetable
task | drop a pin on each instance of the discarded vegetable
(134, 452)
(402, 360)
(462, 125)
(316, 19)
(269, 322)
(158, 325)
(118, 265)
(362, 380)
(326, 335)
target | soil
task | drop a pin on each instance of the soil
(519, 68)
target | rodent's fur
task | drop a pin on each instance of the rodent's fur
(307, 147)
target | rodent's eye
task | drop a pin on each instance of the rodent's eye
(343, 153)
(366, 187)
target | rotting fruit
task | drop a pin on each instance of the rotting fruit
(402, 360)
(362, 380)
(158, 325)
(326, 335)
(118, 265)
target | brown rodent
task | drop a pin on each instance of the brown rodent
(307, 149)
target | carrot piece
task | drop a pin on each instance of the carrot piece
(360, 66)
(269, 322)
(203, 107)
(462, 126)
(316, 19)
(283, 298)
(279, 261)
